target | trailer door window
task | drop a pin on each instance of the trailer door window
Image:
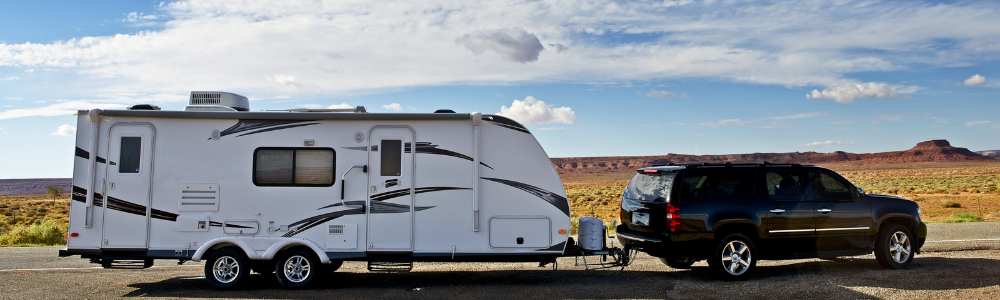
(392, 157)
(293, 167)
(130, 154)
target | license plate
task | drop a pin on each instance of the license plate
(640, 218)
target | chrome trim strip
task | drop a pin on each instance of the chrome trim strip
(843, 229)
(790, 230)
(638, 238)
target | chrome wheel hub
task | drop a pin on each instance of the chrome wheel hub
(736, 257)
(225, 269)
(899, 247)
(297, 268)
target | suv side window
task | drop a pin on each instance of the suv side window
(826, 187)
(784, 185)
(716, 186)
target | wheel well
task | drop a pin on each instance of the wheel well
(748, 230)
(910, 224)
(291, 247)
(219, 246)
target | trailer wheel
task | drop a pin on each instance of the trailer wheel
(297, 268)
(227, 268)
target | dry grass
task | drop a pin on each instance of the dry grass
(33, 220)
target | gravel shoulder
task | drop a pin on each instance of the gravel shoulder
(946, 270)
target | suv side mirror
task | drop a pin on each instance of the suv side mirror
(858, 193)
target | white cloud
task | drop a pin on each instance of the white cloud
(800, 116)
(138, 16)
(975, 80)
(411, 107)
(660, 94)
(827, 143)
(2, 131)
(685, 95)
(724, 122)
(10, 78)
(533, 111)
(847, 92)
(59, 109)
(393, 107)
(342, 105)
(513, 44)
(977, 123)
(65, 130)
(347, 46)
(742, 122)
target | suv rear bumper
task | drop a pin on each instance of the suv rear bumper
(661, 245)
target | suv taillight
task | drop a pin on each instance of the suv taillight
(673, 218)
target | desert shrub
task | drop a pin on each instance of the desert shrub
(43, 233)
(950, 204)
(961, 217)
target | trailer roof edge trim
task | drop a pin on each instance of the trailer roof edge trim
(282, 115)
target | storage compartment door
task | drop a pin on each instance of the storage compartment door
(520, 232)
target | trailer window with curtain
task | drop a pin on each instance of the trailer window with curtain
(294, 166)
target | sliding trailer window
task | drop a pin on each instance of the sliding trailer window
(273, 166)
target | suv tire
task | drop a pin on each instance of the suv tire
(894, 248)
(678, 263)
(735, 257)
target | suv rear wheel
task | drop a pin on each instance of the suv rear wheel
(894, 248)
(734, 258)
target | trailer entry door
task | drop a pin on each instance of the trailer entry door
(126, 199)
(390, 191)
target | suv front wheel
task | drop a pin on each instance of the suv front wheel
(894, 248)
(734, 258)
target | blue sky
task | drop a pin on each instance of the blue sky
(589, 78)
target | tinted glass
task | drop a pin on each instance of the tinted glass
(274, 167)
(130, 154)
(784, 185)
(717, 186)
(392, 157)
(313, 166)
(650, 187)
(828, 188)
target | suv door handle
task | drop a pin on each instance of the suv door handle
(777, 210)
(824, 210)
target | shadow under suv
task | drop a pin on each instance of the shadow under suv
(735, 214)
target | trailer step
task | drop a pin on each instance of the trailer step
(386, 266)
(126, 263)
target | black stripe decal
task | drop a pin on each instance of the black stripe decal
(82, 153)
(559, 202)
(126, 207)
(101, 160)
(506, 123)
(79, 193)
(403, 192)
(258, 126)
(425, 148)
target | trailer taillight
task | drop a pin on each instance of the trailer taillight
(74, 234)
(673, 218)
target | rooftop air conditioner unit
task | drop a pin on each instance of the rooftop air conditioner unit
(217, 101)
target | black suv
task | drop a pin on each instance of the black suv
(735, 214)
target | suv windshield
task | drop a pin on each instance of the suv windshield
(650, 187)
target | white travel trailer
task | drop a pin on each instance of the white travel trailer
(300, 191)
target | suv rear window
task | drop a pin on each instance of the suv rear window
(717, 186)
(650, 187)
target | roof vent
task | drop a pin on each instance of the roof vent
(217, 101)
(144, 107)
(444, 111)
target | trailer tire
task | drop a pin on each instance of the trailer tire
(297, 268)
(227, 268)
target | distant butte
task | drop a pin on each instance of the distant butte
(929, 151)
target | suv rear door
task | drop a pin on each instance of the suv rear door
(790, 221)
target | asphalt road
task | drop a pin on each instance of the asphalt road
(959, 261)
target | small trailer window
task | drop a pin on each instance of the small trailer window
(392, 157)
(294, 166)
(130, 154)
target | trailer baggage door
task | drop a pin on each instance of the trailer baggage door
(390, 191)
(126, 201)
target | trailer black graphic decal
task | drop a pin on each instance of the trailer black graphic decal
(397, 193)
(80, 195)
(559, 202)
(425, 148)
(506, 123)
(82, 153)
(557, 247)
(259, 126)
